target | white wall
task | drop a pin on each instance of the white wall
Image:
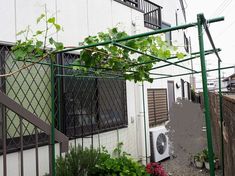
(87, 17)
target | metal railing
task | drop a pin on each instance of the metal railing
(39, 126)
(152, 11)
(26, 113)
(152, 14)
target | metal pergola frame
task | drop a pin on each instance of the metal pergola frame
(201, 22)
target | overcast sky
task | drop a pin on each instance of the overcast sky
(223, 33)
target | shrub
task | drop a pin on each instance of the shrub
(120, 164)
(77, 162)
(91, 162)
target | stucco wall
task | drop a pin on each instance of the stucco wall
(87, 17)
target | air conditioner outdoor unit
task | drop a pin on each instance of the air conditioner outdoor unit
(159, 144)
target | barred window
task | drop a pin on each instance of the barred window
(92, 105)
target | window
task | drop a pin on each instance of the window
(168, 37)
(92, 104)
(157, 106)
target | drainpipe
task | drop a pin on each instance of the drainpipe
(145, 128)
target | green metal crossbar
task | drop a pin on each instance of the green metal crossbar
(189, 73)
(185, 26)
(87, 76)
(152, 56)
(184, 60)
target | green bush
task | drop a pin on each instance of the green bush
(92, 162)
(77, 162)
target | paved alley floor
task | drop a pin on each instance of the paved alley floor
(187, 138)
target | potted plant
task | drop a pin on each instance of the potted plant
(206, 158)
(198, 160)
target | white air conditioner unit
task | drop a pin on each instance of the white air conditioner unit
(159, 144)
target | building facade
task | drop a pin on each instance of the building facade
(123, 115)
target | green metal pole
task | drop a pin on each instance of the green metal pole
(159, 31)
(83, 76)
(52, 119)
(221, 117)
(145, 129)
(200, 18)
(59, 85)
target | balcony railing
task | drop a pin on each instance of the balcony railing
(152, 12)
(135, 4)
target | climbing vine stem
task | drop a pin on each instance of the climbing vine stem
(111, 57)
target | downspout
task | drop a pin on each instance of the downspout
(145, 128)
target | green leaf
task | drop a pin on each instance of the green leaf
(19, 54)
(40, 18)
(180, 55)
(39, 32)
(51, 40)
(51, 20)
(58, 27)
(58, 45)
(39, 44)
(167, 53)
(21, 32)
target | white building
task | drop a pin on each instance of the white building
(86, 17)
(212, 84)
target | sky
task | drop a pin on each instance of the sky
(222, 32)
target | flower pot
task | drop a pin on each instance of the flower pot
(198, 164)
(216, 164)
(207, 165)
